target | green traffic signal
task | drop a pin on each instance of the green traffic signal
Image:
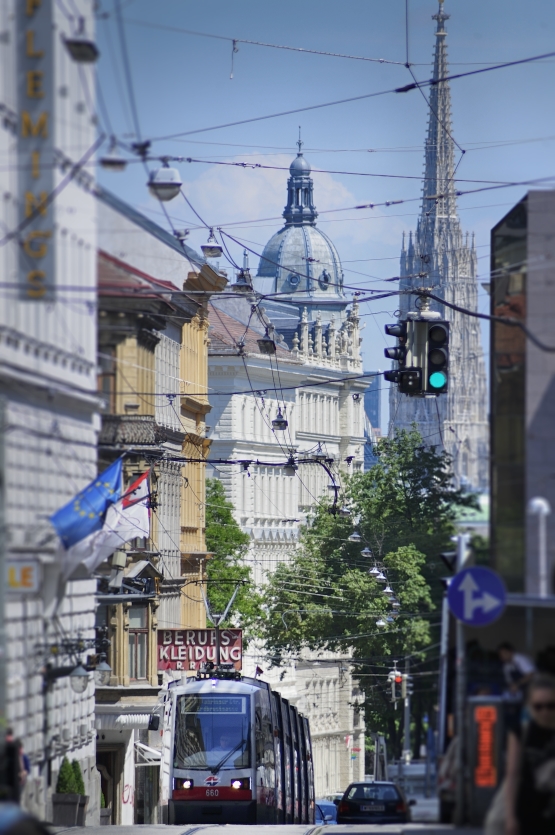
(437, 380)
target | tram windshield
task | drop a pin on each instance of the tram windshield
(212, 732)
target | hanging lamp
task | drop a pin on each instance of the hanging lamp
(279, 423)
(212, 249)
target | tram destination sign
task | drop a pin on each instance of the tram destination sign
(189, 649)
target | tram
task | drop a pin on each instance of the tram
(234, 751)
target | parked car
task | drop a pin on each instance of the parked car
(376, 802)
(326, 811)
(334, 798)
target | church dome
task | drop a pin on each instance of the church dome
(299, 166)
(300, 259)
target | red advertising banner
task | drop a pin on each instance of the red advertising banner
(188, 649)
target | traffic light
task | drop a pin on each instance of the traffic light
(395, 679)
(407, 686)
(421, 354)
(437, 359)
(408, 374)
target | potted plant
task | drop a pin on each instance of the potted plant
(83, 798)
(105, 813)
(66, 799)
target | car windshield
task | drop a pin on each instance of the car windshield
(212, 732)
(375, 793)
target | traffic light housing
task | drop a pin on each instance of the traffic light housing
(437, 356)
(422, 356)
(407, 376)
(395, 679)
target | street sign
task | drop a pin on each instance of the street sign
(477, 596)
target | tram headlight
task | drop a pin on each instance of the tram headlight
(241, 783)
(183, 783)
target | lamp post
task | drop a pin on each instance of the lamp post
(540, 507)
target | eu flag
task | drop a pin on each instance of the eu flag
(84, 514)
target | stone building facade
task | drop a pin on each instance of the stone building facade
(439, 256)
(153, 358)
(309, 380)
(48, 383)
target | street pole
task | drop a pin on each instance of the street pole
(462, 542)
(443, 669)
(3, 572)
(540, 507)
(406, 736)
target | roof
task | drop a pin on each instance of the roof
(302, 261)
(226, 331)
(148, 225)
(116, 278)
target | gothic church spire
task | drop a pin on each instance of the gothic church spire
(440, 146)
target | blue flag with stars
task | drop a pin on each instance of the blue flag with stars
(84, 514)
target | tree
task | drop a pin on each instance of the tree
(78, 774)
(404, 509)
(66, 783)
(226, 567)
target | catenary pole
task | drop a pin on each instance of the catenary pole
(406, 736)
(443, 668)
(462, 542)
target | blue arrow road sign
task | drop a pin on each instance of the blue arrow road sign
(477, 596)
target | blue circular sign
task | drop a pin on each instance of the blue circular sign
(477, 596)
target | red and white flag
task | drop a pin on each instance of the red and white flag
(126, 519)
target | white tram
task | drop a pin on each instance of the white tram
(234, 751)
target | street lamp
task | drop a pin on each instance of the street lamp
(82, 49)
(102, 672)
(366, 552)
(541, 508)
(165, 183)
(113, 161)
(354, 537)
(279, 422)
(212, 249)
(79, 679)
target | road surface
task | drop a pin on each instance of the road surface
(212, 829)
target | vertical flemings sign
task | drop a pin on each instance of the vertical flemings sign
(35, 75)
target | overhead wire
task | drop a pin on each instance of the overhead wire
(405, 89)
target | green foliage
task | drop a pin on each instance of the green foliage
(66, 779)
(102, 801)
(79, 782)
(481, 550)
(405, 508)
(229, 545)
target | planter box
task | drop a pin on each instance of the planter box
(65, 809)
(82, 810)
(105, 817)
(69, 809)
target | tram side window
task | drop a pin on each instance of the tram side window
(264, 735)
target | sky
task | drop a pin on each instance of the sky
(180, 82)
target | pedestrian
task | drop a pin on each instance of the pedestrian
(518, 669)
(530, 774)
(13, 821)
(15, 767)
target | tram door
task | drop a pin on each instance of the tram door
(278, 746)
(288, 761)
(309, 770)
(302, 770)
(265, 759)
(296, 767)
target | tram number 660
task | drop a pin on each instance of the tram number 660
(212, 792)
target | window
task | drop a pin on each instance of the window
(212, 731)
(138, 642)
